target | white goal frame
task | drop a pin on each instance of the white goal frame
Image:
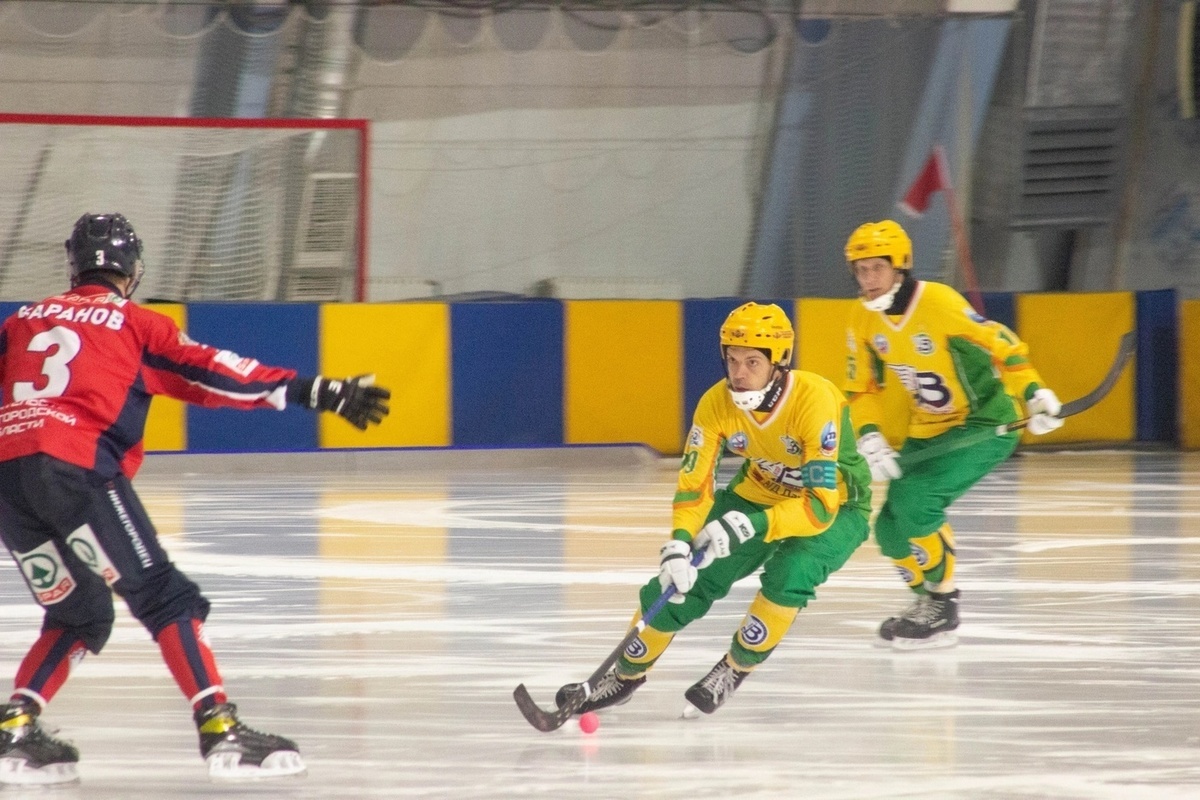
(229, 209)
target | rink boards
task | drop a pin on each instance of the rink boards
(545, 372)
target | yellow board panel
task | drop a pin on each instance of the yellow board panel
(623, 376)
(822, 332)
(1072, 341)
(407, 346)
(166, 424)
(1189, 374)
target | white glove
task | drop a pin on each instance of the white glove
(880, 456)
(675, 569)
(722, 536)
(1043, 410)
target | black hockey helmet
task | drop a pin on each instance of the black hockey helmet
(105, 242)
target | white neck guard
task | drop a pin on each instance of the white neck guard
(884, 301)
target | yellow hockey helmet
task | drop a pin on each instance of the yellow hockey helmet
(884, 239)
(764, 327)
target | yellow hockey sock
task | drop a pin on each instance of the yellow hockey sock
(935, 554)
(761, 631)
(643, 651)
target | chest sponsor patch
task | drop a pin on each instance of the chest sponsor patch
(923, 344)
(738, 442)
(790, 445)
(881, 344)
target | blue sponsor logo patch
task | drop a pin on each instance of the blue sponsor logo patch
(923, 344)
(828, 439)
(636, 649)
(881, 344)
(753, 631)
(737, 442)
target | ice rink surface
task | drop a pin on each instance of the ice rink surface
(380, 609)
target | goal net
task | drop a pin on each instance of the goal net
(228, 209)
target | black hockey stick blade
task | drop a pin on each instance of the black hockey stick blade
(1125, 350)
(547, 721)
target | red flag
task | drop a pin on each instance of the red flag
(934, 177)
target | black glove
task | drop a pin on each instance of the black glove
(357, 399)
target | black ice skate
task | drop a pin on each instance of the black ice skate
(715, 688)
(929, 623)
(612, 690)
(887, 630)
(235, 752)
(29, 755)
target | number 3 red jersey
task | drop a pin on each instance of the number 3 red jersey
(78, 370)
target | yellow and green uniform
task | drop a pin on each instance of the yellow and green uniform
(804, 486)
(960, 371)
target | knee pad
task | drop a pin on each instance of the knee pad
(762, 629)
(75, 602)
(93, 633)
(162, 596)
(891, 535)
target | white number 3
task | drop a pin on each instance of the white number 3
(54, 367)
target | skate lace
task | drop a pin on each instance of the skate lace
(609, 685)
(924, 611)
(720, 682)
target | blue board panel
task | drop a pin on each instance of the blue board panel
(1001, 307)
(278, 334)
(507, 373)
(701, 347)
(1157, 384)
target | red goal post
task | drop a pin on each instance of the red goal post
(228, 209)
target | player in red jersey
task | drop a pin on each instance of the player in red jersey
(77, 372)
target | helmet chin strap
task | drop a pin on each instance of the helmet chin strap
(884, 301)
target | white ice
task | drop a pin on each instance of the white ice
(380, 609)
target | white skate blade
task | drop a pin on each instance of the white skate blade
(228, 766)
(938, 640)
(18, 772)
(690, 712)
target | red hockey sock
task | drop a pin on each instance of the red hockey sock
(191, 662)
(47, 665)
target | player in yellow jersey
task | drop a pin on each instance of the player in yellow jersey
(961, 372)
(798, 507)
